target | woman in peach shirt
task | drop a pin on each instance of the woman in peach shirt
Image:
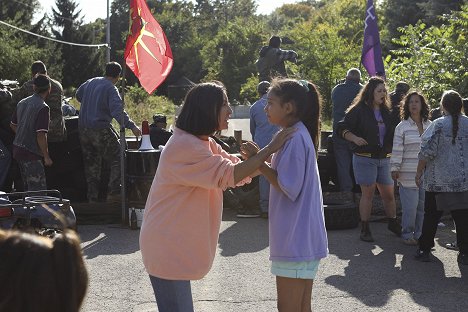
(183, 211)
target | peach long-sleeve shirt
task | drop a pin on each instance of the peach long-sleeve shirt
(180, 228)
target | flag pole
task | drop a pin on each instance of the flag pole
(123, 145)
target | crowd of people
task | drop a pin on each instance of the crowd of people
(392, 140)
(380, 141)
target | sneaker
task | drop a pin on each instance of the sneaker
(452, 246)
(423, 256)
(462, 258)
(247, 214)
(410, 242)
(394, 226)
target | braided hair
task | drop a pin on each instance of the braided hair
(452, 102)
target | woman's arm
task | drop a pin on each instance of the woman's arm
(419, 171)
(350, 122)
(397, 153)
(249, 166)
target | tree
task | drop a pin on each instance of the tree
(79, 63)
(433, 59)
(230, 55)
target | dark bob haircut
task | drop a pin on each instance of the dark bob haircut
(202, 105)
(425, 109)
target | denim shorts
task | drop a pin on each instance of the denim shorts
(368, 171)
(302, 270)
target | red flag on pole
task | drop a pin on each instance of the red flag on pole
(147, 52)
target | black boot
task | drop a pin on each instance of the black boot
(394, 226)
(366, 234)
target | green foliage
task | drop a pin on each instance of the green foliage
(249, 90)
(137, 95)
(433, 59)
(230, 56)
(328, 46)
(140, 106)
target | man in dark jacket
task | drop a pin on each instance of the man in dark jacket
(158, 133)
(270, 64)
(396, 97)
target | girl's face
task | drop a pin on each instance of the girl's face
(380, 93)
(224, 114)
(415, 105)
(277, 114)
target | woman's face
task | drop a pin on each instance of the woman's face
(224, 114)
(380, 93)
(415, 105)
(275, 112)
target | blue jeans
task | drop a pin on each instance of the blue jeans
(172, 296)
(5, 161)
(264, 189)
(412, 206)
(368, 171)
(343, 159)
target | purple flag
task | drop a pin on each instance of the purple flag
(371, 56)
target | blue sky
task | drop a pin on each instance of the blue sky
(92, 9)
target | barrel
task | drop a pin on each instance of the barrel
(140, 170)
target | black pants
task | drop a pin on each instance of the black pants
(431, 219)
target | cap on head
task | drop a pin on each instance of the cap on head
(263, 87)
(159, 118)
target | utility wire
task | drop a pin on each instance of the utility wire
(56, 40)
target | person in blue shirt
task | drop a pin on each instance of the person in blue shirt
(262, 132)
(100, 103)
(342, 96)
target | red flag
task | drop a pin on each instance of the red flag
(147, 52)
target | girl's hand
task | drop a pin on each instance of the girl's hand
(279, 138)
(359, 141)
(395, 175)
(249, 149)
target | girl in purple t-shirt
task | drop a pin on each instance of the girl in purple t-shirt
(298, 238)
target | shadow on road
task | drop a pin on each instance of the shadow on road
(108, 240)
(244, 236)
(376, 270)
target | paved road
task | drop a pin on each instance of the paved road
(357, 276)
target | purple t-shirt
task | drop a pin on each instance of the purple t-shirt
(297, 223)
(380, 124)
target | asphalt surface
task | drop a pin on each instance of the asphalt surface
(356, 276)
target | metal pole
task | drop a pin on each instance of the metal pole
(123, 145)
(108, 33)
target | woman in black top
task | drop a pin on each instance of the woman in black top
(368, 127)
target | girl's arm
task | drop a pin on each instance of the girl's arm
(270, 174)
(249, 166)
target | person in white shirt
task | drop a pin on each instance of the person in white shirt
(404, 161)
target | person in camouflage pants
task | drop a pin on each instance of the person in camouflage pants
(30, 122)
(57, 132)
(98, 145)
(100, 103)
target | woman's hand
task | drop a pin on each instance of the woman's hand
(279, 138)
(395, 175)
(249, 149)
(417, 178)
(359, 141)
